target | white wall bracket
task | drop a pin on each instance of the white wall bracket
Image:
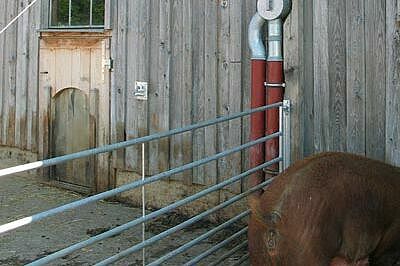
(273, 9)
(140, 92)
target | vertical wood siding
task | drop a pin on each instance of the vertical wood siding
(19, 76)
(392, 84)
(350, 89)
(342, 69)
(194, 54)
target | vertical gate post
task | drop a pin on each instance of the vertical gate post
(284, 139)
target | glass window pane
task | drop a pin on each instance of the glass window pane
(80, 15)
(98, 12)
(59, 13)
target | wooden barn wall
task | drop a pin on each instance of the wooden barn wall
(343, 73)
(18, 76)
(342, 69)
(194, 54)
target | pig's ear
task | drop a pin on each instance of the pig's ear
(271, 218)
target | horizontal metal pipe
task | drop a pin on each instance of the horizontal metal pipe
(228, 254)
(208, 252)
(197, 240)
(40, 216)
(243, 259)
(181, 226)
(125, 144)
(121, 228)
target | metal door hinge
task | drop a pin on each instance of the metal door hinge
(108, 63)
(287, 106)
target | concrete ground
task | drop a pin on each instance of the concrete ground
(23, 195)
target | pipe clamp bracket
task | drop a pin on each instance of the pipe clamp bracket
(275, 85)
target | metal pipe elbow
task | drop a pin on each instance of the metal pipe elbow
(256, 42)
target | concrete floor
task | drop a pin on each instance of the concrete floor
(23, 195)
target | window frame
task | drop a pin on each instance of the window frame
(47, 16)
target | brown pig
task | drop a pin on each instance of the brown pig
(330, 209)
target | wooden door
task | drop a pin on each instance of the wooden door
(71, 131)
(74, 106)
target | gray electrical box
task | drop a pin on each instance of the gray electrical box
(273, 9)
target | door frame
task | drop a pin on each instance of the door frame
(99, 94)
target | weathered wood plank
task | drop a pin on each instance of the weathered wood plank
(95, 162)
(293, 67)
(321, 77)
(63, 75)
(159, 84)
(86, 65)
(104, 118)
(77, 65)
(109, 7)
(44, 14)
(337, 74)
(199, 42)
(46, 66)
(100, 80)
(118, 82)
(176, 156)
(355, 57)
(3, 22)
(223, 104)
(392, 85)
(44, 120)
(138, 69)
(375, 40)
(33, 72)
(249, 9)
(229, 93)
(398, 11)
(187, 85)
(133, 158)
(235, 81)
(181, 87)
(114, 93)
(10, 58)
(308, 77)
(22, 78)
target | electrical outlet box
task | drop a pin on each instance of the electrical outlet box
(140, 92)
(273, 9)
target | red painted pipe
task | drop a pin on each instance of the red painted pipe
(257, 120)
(274, 95)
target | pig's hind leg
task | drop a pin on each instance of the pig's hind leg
(339, 261)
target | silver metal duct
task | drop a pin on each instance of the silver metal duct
(256, 42)
(275, 40)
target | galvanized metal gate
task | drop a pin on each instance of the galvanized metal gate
(283, 159)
